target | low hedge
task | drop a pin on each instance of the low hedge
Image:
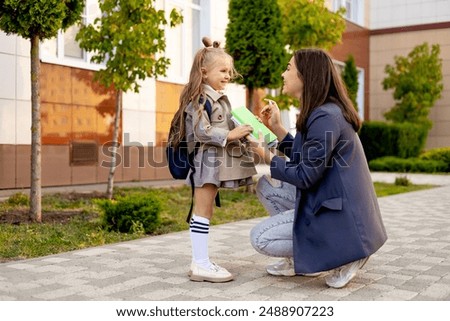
(438, 154)
(407, 165)
(403, 140)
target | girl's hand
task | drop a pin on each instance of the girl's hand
(259, 147)
(239, 131)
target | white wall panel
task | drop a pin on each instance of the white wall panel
(23, 122)
(8, 78)
(7, 43)
(23, 47)
(390, 14)
(7, 123)
(23, 78)
(139, 113)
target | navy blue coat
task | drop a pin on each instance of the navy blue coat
(337, 217)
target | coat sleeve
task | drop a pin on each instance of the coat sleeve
(285, 146)
(316, 153)
(204, 132)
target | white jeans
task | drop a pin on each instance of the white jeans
(273, 236)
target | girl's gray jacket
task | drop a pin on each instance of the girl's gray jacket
(337, 218)
(217, 160)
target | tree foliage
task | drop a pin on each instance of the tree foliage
(417, 83)
(128, 37)
(41, 18)
(309, 23)
(350, 78)
(254, 39)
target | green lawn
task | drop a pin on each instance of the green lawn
(20, 241)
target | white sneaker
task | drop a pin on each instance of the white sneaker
(341, 276)
(285, 267)
(215, 274)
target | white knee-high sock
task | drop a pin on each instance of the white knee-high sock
(199, 230)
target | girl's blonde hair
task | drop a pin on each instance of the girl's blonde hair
(193, 91)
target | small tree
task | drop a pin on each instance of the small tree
(37, 21)
(309, 23)
(417, 83)
(350, 78)
(128, 37)
(255, 41)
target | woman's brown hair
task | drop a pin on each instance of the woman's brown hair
(322, 84)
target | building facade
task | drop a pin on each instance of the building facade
(77, 114)
(396, 28)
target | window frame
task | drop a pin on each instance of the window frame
(185, 61)
(59, 57)
(356, 13)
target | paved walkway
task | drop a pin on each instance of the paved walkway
(413, 265)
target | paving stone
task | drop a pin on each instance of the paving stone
(414, 264)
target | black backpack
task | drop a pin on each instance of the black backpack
(180, 161)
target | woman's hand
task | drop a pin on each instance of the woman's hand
(271, 117)
(239, 131)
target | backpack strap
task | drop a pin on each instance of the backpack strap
(208, 109)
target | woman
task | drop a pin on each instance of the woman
(334, 222)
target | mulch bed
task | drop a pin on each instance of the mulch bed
(21, 215)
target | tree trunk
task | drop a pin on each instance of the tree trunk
(35, 190)
(115, 144)
(250, 92)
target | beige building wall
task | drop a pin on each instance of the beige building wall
(383, 49)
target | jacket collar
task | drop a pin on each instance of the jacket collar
(210, 92)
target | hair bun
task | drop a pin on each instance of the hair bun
(207, 42)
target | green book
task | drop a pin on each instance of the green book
(243, 116)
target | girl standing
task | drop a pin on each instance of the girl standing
(221, 159)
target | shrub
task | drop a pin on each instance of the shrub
(132, 213)
(403, 140)
(18, 199)
(350, 78)
(402, 181)
(402, 165)
(438, 154)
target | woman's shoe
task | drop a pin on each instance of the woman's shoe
(215, 274)
(285, 267)
(341, 276)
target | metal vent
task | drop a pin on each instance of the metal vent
(83, 153)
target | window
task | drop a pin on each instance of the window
(183, 41)
(354, 9)
(71, 47)
(64, 49)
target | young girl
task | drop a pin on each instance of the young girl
(221, 160)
